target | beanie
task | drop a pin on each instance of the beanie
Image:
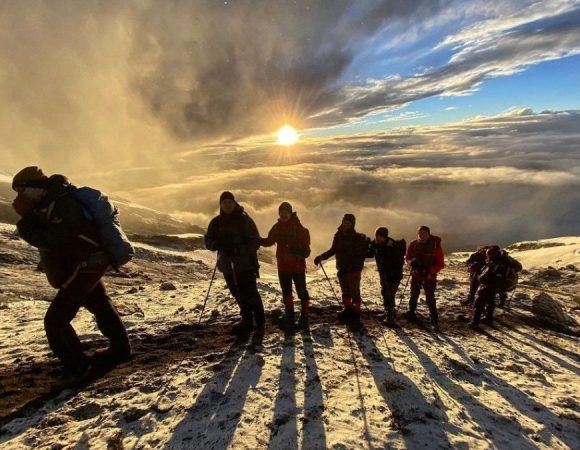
(30, 177)
(285, 206)
(226, 195)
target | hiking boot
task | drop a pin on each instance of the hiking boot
(242, 329)
(487, 320)
(410, 316)
(390, 323)
(435, 328)
(303, 321)
(382, 316)
(473, 325)
(110, 357)
(289, 316)
(345, 315)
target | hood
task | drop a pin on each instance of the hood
(239, 209)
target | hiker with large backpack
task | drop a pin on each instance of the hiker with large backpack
(292, 241)
(390, 258)
(500, 274)
(78, 234)
(475, 264)
(235, 237)
(425, 257)
(351, 249)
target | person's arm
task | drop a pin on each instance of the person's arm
(409, 254)
(271, 239)
(331, 251)
(439, 260)
(211, 236)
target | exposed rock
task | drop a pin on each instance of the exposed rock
(548, 310)
(167, 286)
(548, 274)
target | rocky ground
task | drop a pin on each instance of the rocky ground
(512, 386)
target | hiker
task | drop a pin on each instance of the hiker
(292, 248)
(500, 274)
(351, 249)
(475, 264)
(390, 257)
(55, 221)
(234, 235)
(425, 257)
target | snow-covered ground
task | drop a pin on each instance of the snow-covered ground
(512, 386)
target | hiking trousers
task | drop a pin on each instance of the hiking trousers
(243, 287)
(484, 302)
(388, 292)
(429, 288)
(86, 290)
(299, 280)
(350, 287)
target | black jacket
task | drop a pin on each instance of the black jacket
(236, 239)
(351, 250)
(501, 273)
(390, 259)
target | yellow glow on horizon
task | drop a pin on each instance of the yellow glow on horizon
(287, 136)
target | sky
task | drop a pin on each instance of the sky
(462, 115)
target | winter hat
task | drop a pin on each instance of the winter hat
(29, 177)
(285, 206)
(493, 252)
(424, 228)
(227, 195)
(382, 231)
(350, 218)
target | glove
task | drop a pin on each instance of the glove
(317, 260)
(21, 205)
(414, 264)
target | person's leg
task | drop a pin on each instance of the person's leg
(108, 321)
(430, 287)
(354, 284)
(391, 295)
(473, 285)
(250, 296)
(502, 298)
(482, 296)
(285, 279)
(345, 289)
(415, 291)
(302, 291)
(346, 312)
(233, 286)
(384, 292)
(62, 338)
(490, 308)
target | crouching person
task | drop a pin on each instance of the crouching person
(55, 221)
(351, 249)
(292, 248)
(234, 235)
(499, 275)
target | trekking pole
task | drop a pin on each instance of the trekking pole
(403, 293)
(207, 294)
(329, 282)
(509, 302)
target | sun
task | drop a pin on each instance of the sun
(287, 135)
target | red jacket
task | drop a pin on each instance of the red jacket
(293, 244)
(428, 258)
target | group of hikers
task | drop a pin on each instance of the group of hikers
(79, 238)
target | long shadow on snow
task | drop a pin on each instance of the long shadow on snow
(405, 401)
